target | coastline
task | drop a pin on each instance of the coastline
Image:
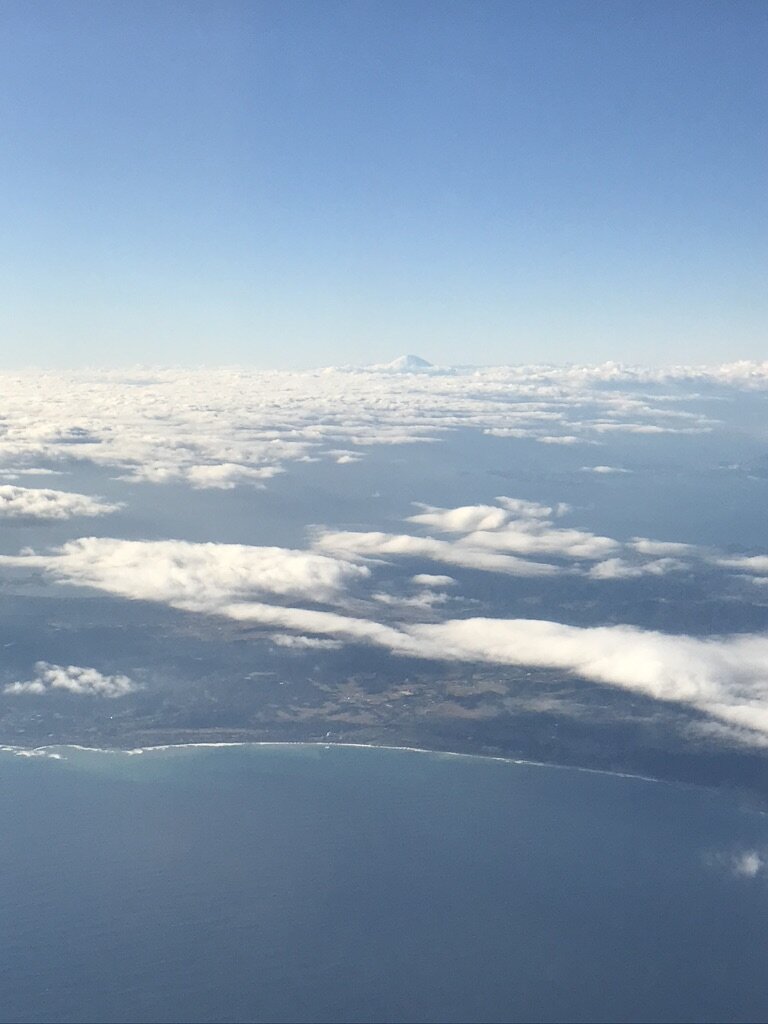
(612, 749)
(57, 751)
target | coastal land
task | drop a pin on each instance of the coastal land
(518, 714)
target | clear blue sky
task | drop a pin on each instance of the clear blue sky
(297, 184)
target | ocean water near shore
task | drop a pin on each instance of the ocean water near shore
(300, 882)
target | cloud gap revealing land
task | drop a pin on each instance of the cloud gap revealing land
(565, 564)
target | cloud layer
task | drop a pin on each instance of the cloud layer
(220, 428)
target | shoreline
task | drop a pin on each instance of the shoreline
(52, 751)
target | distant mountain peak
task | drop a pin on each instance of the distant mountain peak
(408, 364)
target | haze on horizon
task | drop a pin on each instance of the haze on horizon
(297, 184)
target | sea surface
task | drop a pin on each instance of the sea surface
(284, 882)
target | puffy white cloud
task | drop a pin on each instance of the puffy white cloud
(618, 568)
(661, 548)
(486, 534)
(343, 456)
(464, 519)
(747, 864)
(302, 643)
(43, 503)
(427, 579)
(515, 525)
(567, 439)
(199, 577)
(524, 539)
(604, 470)
(524, 509)
(227, 475)
(510, 432)
(424, 600)
(84, 682)
(757, 564)
(375, 544)
(31, 686)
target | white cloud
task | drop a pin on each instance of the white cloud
(470, 518)
(747, 864)
(13, 473)
(42, 503)
(757, 564)
(515, 525)
(567, 439)
(464, 519)
(509, 432)
(636, 428)
(343, 456)
(375, 545)
(31, 686)
(426, 579)
(486, 534)
(604, 470)
(299, 642)
(524, 509)
(424, 600)
(227, 475)
(661, 548)
(198, 577)
(73, 679)
(320, 623)
(540, 540)
(618, 568)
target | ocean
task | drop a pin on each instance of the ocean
(299, 882)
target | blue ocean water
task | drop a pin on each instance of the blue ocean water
(311, 883)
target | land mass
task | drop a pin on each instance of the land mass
(525, 715)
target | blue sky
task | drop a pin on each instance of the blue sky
(289, 184)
